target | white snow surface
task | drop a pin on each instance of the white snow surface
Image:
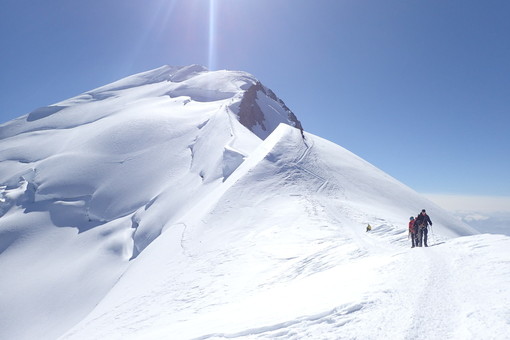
(145, 210)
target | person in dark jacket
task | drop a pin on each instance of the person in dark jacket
(422, 222)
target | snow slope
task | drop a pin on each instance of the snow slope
(299, 263)
(174, 204)
(88, 183)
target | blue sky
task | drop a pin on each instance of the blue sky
(421, 89)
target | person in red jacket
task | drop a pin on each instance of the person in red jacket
(421, 223)
(412, 232)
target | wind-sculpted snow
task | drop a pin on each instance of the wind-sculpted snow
(168, 83)
(44, 112)
(120, 162)
(148, 208)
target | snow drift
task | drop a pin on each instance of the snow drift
(181, 202)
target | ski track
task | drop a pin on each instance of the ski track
(437, 305)
(305, 154)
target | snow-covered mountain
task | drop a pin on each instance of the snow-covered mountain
(181, 203)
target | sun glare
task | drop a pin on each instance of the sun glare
(211, 56)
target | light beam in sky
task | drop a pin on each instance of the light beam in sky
(212, 36)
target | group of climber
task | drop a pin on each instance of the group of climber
(418, 229)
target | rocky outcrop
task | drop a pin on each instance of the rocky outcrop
(251, 115)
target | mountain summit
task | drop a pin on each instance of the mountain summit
(175, 202)
(149, 130)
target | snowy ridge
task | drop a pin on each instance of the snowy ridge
(181, 203)
(213, 276)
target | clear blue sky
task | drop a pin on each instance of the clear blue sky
(421, 89)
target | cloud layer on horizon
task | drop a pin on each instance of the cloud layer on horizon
(487, 214)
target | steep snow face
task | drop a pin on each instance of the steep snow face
(133, 138)
(97, 177)
(184, 163)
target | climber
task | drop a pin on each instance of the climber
(412, 232)
(422, 222)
